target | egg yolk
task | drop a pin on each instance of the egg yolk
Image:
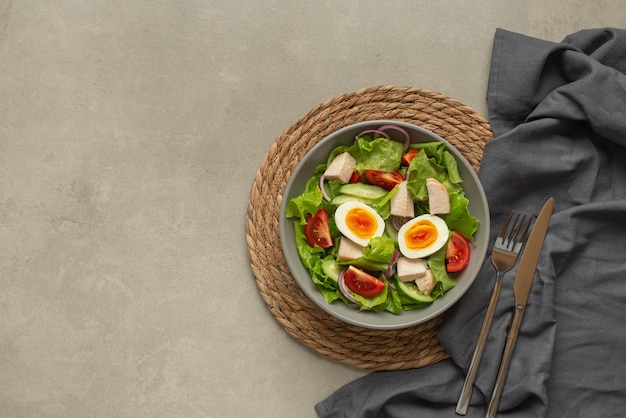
(361, 222)
(421, 234)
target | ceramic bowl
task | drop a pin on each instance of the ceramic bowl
(478, 207)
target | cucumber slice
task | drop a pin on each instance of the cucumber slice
(331, 268)
(410, 291)
(363, 191)
(343, 198)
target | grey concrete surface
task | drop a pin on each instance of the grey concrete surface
(130, 135)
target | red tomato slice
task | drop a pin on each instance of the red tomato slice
(384, 179)
(408, 157)
(356, 177)
(317, 231)
(362, 283)
(458, 252)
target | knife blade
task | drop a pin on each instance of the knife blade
(521, 288)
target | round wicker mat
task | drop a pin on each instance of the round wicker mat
(412, 347)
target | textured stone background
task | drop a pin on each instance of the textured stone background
(130, 135)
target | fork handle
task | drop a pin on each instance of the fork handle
(468, 386)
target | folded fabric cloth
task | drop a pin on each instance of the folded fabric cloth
(558, 112)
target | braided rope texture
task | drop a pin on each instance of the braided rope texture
(407, 348)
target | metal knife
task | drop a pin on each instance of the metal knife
(521, 288)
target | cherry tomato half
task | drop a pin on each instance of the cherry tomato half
(317, 231)
(356, 177)
(408, 157)
(362, 283)
(384, 179)
(457, 253)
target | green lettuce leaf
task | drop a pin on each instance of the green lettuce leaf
(459, 219)
(436, 162)
(379, 154)
(387, 300)
(437, 265)
(308, 202)
(376, 256)
(372, 154)
(419, 170)
(382, 205)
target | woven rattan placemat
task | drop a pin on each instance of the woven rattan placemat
(412, 347)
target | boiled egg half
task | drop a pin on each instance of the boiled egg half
(422, 236)
(359, 222)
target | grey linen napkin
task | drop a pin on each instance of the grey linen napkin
(558, 112)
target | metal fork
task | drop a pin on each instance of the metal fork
(503, 257)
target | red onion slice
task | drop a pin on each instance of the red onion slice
(392, 264)
(341, 283)
(323, 189)
(375, 131)
(407, 137)
(398, 221)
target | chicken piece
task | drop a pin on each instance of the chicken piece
(426, 283)
(411, 269)
(402, 202)
(341, 168)
(348, 250)
(438, 198)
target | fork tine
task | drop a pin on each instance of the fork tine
(526, 229)
(509, 230)
(514, 231)
(505, 227)
(521, 228)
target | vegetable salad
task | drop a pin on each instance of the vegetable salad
(364, 228)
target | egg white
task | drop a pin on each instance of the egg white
(440, 241)
(340, 221)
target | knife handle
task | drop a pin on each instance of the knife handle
(511, 338)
